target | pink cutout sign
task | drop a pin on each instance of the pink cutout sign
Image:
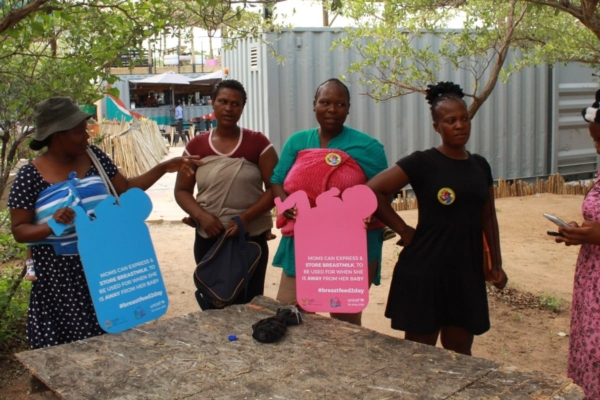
(332, 272)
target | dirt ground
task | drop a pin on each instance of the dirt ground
(530, 319)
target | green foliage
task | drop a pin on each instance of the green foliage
(392, 65)
(61, 47)
(552, 302)
(49, 48)
(9, 248)
(66, 48)
(113, 92)
(98, 139)
(14, 292)
(573, 34)
(12, 319)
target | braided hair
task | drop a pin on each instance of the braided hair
(591, 114)
(443, 91)
(333, 80)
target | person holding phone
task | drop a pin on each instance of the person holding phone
(584, 339)
(557, 221)
(438, 287)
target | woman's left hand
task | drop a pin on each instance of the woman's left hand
(185, 164)
(498, 277)
(232, 229)
(64, 215)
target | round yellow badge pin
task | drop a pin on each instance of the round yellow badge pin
(446, 196)
(333, 159)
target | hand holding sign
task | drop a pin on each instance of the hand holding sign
(331, 249)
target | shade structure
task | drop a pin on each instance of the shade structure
(166, 78)
(208, 79)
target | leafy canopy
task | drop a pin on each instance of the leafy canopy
(392, 65)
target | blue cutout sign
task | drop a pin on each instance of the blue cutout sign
(119, 262)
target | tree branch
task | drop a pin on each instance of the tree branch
(19, 14)
(511, 24)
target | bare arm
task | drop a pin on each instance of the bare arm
(588, 232)
(384, 185)
(184, 196)
(183, 165)
(266, 164)
(279, 192)
(25, 231)
(490, 229)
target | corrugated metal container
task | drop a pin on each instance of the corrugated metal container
(513, 129)
(573, 152)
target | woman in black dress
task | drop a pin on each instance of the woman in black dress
(438, 286)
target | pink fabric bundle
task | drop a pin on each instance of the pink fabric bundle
(316, 171)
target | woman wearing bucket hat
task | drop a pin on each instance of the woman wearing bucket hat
(60, 308)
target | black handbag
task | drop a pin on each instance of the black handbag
(223, 273)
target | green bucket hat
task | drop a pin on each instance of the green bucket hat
(53, 115)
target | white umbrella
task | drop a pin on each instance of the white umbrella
(208, 79)
(166, 78)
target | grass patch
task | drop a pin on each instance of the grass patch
(552, 302)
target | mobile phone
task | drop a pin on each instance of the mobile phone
(556, 220)
(552, 233)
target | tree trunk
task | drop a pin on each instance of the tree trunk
(150, 56)
(164, 48)
(193, 51)
(325, 14)
(178, 52)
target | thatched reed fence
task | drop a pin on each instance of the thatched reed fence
(555, 184)
(135, 149)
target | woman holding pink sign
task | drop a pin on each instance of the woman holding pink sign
(316, 160)
(438, 286)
